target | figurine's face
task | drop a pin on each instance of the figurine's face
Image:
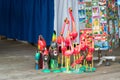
(45, 57)
(55, 53)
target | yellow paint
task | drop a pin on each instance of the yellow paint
(79, 55)
(62, 60)
(90, 67)
(86, 65)
(84, 62)
(74, 57)
(67, 66)
(58, 59)
(65, 61)
(68, 60)
(92, 63)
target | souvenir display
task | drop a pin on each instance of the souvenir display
(75, 58)
(113, 24)
(102, 17)
(99, 32)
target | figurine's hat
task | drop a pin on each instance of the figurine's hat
(54, 37)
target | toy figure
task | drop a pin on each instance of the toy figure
(74, 33)
(77, 64)
(76, 53)
(89, 57)
(62, 42)
(54, 57)
(67, 54)
(69, 51)
(41, 47)
(45, 61)
(37, 57)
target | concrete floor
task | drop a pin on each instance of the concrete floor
(17, 63)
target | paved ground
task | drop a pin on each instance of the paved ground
(17, 63)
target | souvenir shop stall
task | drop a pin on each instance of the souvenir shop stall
(100, 16)
(98, 30)
(67, 32)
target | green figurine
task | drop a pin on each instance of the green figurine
(37, 57)
(54, 57)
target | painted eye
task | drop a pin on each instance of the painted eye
(45, 58)
(55, 53)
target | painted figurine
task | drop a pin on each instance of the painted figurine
(41, 47)
(37, 57)
(46, 61)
